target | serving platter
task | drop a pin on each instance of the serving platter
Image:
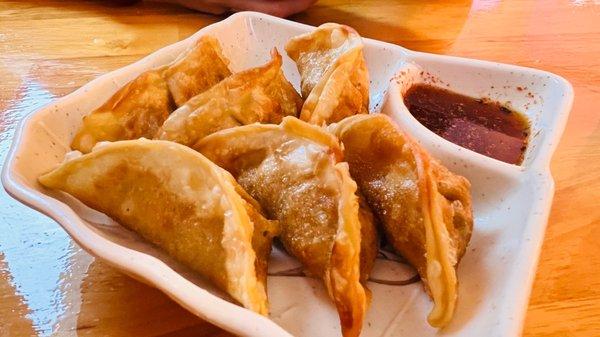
(511, 203)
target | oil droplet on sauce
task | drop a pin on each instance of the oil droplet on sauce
(482, 126)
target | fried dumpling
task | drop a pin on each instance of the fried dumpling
(294, 171)
(180, 201)
(369, 239)
(197, 70)
(141, 107)
(335, 81)
(136, 110)
(425, 209)
(259, 94)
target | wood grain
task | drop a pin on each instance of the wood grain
(50, 48)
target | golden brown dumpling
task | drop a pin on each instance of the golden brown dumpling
(335, 81)
(294, 171)
(136, 110)
(180, 201)
(197, 70)
(259, 94)
(369, 238)
(141, 107)
(425, 209)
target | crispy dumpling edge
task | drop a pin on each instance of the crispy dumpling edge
(109, 105)
(322, 101)
(441, 259)
(203, 39)
(294, 46)
(289, 124)
(332, 82)
(237, 229)
(222, 61)
(84, 140)
(347, 243)
(442, 283)
(176, 126)
(350, 298)
(231, 245)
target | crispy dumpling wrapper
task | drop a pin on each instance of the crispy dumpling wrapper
(425, 209)
(141, 107)
(335, 80)
(183, 203)
(369, 239)
(136, 110)
(197, 70)
(257, 95)
(294, 171)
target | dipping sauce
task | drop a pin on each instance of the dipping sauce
(482, 126)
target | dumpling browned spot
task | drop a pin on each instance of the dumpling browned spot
(294, 171)
(257, 95)
(425, 209)
(183, 203)
(197, 70)
(136, 110)
(141, 107)
(369, 238)
(335, 81)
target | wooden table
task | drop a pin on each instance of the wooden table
(48, 49)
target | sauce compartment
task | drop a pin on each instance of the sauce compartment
(486, 127)
(531, 93)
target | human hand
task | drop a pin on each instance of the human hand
(281, 8)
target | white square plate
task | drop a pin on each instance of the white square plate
(511, 203)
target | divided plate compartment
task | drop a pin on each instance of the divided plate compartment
(511, 203)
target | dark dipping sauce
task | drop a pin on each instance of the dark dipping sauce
(482, 126)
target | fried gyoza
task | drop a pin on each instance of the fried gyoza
(180, 201)
(259, 94)
(136, 110)
(425, 209)
(369, 239)
(294, 171)
(197, 70)
(140, 107)
(335, 81)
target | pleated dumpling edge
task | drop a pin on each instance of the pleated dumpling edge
(424, 209)
(257, 95)
(334, 76)
(139, 108)
(180, 201)
(295, 171)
